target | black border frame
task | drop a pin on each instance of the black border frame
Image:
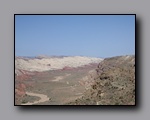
(111, 106)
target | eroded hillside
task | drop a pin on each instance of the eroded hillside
(114, 83)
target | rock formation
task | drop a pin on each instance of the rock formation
(114, 83)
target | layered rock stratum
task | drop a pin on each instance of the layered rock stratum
(54, 63)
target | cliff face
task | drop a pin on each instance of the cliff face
(114, 83)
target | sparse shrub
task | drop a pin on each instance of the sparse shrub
(24, 101)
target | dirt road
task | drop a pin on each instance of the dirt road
(43, 98)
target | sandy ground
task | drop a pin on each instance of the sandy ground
(58, 78)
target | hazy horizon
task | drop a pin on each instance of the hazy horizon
(99, 36)
(70, 56)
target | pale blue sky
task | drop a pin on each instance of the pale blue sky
(74, 35)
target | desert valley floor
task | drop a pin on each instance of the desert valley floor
(60, 86)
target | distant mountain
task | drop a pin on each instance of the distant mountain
(44, 63)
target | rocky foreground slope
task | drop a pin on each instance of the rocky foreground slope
(114, 83)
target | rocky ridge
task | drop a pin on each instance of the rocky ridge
(113, 83)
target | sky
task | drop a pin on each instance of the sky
(75, 35)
